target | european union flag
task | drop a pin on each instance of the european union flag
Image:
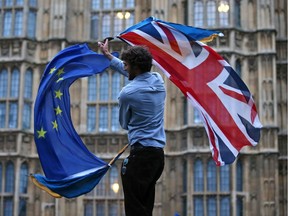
(70, 168)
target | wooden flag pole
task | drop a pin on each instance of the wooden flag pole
(118, 155)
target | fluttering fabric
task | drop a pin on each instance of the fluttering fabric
(70, 168)
(223, 100)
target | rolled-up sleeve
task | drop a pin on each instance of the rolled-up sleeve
(118, 65)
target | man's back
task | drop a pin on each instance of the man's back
(142, 109)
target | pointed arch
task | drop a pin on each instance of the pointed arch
(14, 83)
(9, 177)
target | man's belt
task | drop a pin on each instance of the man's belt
(138, 146)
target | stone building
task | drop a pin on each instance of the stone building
(255, 44)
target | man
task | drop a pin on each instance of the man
(141, 112)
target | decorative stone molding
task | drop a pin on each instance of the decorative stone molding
(31, 48)
(5, 48)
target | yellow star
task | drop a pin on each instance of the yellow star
(55, 125)
(58, 94)
(41, 133)
(60, 72)
(59, 79)
(52, 70)
(58, 110)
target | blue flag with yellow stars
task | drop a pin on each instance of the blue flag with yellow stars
(70, 168)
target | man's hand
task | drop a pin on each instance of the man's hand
(105, 49)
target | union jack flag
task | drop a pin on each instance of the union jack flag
(223, 100)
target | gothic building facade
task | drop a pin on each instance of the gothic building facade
(255, 45)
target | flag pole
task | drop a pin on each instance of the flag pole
(118, 155)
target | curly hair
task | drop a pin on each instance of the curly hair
(138, 56)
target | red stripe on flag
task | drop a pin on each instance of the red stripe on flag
(212, 141)
(253, 112)
(234, 94)
(172, 40)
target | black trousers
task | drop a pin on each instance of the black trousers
(139, 176)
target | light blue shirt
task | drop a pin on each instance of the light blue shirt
(141, 107)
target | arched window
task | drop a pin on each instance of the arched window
(118, 23)
(26, 118)
(130, 3)
(115, 118)
(239, 208)
(95, 4)
(2, 114)
(239, 187)
(8, 206)
(116, 85)
(101, 187)
(225, 206)
(28, 87)
(91, 118)
(104, 86)
(198, 205)
(18, 23)
(1, 170)
(13, 114)
(225, 178)
(23, 188)
(174, 13)
(198, 13)
(100, 208)
(19, 2)
(238, 67)
(198, 176)
(239, 176)
(9, 178)
(103, 118)
(32, 3)
(8, 3)
(92, 88)
(211, 13)
(130, 20)
(196, 116)
(113, 208)
(237, 13)
(211, 176)
(7, 23)
(212, 205)
(88, 208)
(185, 111)
(184, 176)
(114, 180)
(223, 10)
(94, 26)
(28, 84)
(23, 178)
(3, 83)
(14, 87)
(106, 24)
(32, 19)
(118, 4)
(107, 4)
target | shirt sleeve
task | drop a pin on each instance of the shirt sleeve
(118, 65)
(124, 111)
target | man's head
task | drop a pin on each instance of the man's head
(137, 60)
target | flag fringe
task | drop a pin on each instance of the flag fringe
(55, 195)
(42, 187)
(210, 38)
